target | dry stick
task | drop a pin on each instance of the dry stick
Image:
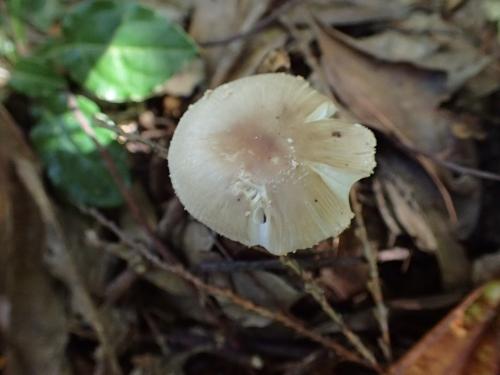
(176, 268)
(485, 175)
(381, 312)
(315, 290)
(180, 271)
(106, 123)
(312, 287)
(115, 175)
(310, 262)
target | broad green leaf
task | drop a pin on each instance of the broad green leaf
(121, 51)
(35, 77)
(74, 164)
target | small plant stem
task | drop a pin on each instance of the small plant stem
(315, 290)
(180, 271)
(373, 285)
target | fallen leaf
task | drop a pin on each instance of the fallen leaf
(35, 345)
(184, 82)
(256, 53)
(464, 342)
(417, 207)
(341, 13)
(71, 268)
(263, 288)
(402, 101)
(198, 240)
(345, 281)
(430, 42)
(219, 19)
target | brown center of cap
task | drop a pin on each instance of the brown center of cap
(257, 151)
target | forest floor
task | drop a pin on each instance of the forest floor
(102, 271)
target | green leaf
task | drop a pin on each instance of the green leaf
(74, 164)
(35, 77)
(121, 51)
(40, 13)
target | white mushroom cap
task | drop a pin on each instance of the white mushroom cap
(260, 161)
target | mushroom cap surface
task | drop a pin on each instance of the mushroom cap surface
(260, 161)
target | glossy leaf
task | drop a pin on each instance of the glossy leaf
(74, 164)
(121, 51)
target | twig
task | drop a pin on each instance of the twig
(451, 165)
(373, 285)
(155, 330)
(180, 271)
(120, 285)
(106, 123)
(317, 293)
(312, 262)
(259, 26)
(115, 175)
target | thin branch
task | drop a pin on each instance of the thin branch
(259, 26)
(180, 271)
(312, 287)
(485, 175)
(312, 262)
(117, 179)
(106, 123)
(381, 312)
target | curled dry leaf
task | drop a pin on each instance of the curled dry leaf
(402, 102)
(430, 42)
(416, 206)
(465, 342)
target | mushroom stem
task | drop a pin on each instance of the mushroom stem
(315, 290)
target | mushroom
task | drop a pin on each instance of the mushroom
(260, 161)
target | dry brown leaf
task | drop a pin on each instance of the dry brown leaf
(72, 269)
(338, 12)
(263, 288)
(417, 207)
(465, 342)
(184, 82)
(345, 281)
(219, 19)
(428, 41)
(197, 242)
(34, 345)
(402, 102)
(258, 50)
